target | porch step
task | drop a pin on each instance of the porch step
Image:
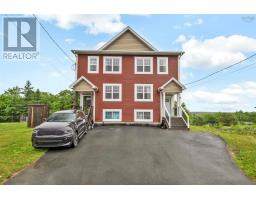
(177, 123)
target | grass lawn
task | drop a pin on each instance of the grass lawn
(16, 151)
(241, 142)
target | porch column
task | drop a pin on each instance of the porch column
(179, 105)
(163, 103)
(172, 105)
(81, 101)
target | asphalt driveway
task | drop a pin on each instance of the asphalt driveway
(136, 155)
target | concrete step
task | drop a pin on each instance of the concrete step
(177, 123)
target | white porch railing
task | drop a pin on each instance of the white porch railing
(185, 115)
(167, 116)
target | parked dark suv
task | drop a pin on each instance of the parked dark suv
(62, 128)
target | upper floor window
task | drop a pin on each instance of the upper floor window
(93, 64)
(143, 65)
(162, 65)
(112, 65)
(112, 92)
(143, 92)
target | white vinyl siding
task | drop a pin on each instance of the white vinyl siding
(112, 115)
(112, 92)
(143, 92)
(162, 65)
(93, 64)
(112, 65)
(143, 115)
(143, 65)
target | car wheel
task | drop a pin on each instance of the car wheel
(75, 140)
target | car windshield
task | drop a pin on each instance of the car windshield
(62, 117)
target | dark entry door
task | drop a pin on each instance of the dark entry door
(87, 102)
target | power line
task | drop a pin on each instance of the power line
(216, 72)
(53, 40)
(239, 69)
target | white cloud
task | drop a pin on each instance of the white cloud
(69, 40)
(239, 96)
(187, 24)
(59, 73)
(94, 24)
(181, 39)
(247, 88)
(215, 52)
(199, 21)
(55, 74)
(100, 44)
(185, 76)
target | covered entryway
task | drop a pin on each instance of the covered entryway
(172, 113)
(85, 96)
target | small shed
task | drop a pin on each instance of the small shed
(36, 114)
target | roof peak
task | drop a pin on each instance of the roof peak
(126, 29)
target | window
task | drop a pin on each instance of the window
(112, 92)
(143, 65)
(143, 92)
(112, 115)
(162, 65)
(143, 115)
(93, 64)
(112, 65)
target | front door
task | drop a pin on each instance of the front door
(87, 103)
(168, 103)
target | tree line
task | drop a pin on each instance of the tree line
(14, 101)
(14, 106)
(223, 119)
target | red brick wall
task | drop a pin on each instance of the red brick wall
(127, 79)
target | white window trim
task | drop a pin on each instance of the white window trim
(112, 72)
(88, 65)
(158, 65)
(135, 66)
(143, 110)
(112, 110)
(112, 84)
(143, 100)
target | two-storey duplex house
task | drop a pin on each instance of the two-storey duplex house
(128, 81)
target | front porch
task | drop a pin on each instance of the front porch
(84, 97)
(173, 115)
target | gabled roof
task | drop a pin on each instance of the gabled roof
(82, 78)
(118, 36)
(172, 80)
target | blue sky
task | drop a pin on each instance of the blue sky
(210, 42)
